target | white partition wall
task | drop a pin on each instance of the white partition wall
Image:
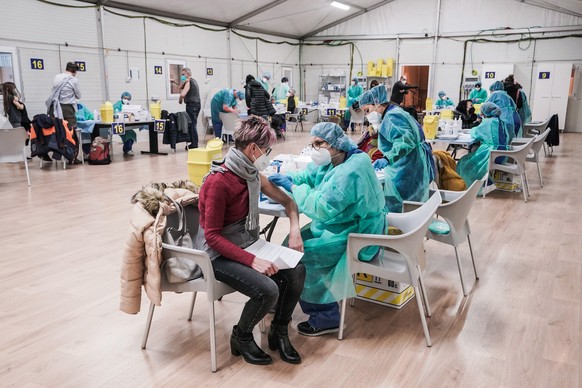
(552, 84)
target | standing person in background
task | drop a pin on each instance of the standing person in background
(478, 95)
(291, 105)
(190, 94)
(265, 80)
(399, 89)
(354, 92)
(509, 114)
(223, 101)
(282, 89)
(512, 88)
(130, 136)
(63, 99)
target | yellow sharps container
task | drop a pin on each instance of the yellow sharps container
(430, 126)
(428, 104)
(156, 110)
(477, 108)
(106, 112)
(200, 159)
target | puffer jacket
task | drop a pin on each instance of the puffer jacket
(260, 100)
(142, 256)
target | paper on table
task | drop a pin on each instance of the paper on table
(282, 257)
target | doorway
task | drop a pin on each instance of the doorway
(9, 70)
(416, 75)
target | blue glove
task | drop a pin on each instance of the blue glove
(284, 181)
(380, 164)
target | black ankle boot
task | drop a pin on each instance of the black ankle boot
(279, 339)
(244, 344)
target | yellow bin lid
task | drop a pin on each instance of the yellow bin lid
(215, 143)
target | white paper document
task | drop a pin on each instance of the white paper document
(282, 257)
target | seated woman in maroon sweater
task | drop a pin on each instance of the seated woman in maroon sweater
(229, 216)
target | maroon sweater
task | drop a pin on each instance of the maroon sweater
(224, 200)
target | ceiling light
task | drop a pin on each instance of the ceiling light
(340, 5)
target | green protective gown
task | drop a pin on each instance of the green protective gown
(509, 114)
(129, 133)
(478, 96)
(492, 134)
(281, 91)
(443, 104)
(354, 92)
(339, 200)
(410, 164)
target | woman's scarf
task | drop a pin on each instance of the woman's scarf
(240, 165)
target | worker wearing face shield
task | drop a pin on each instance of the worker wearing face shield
(407, 163)
(492, 134)
(341, 194)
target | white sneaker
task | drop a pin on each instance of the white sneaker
(129, 153)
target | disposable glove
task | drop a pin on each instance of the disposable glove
(380, 164)
(284, 181)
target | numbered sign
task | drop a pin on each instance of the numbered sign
(490, 74)
(118, 128)
(37, 64)
(304, 111)
(209, 71)
(160, 126)
(331, 112)
(157, 70)
(544, 75)
(81, 65)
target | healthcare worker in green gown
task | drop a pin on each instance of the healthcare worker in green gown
(444, 102)
(407, 163)
(130, 136)
(493, 135)
(354, 92)
(509, 114)
(341, 194)
(264, 81)
(478, 95)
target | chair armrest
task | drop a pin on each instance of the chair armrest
(520, 140)
(408, 206)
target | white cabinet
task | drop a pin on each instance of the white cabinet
(552, 83)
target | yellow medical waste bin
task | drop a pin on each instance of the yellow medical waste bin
(447, 114)
(428, 104)
(156, 110)
(430, 126)
(107, 112)
(477, 108)
(200, 159)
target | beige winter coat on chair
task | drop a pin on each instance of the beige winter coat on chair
(142, 256)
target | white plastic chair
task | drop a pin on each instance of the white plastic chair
(404, 266)
(12, 148)
(534, 155)
(229, 123)
(297, 116)
(455, 212)
(534, 129)
(213, 288)
(357, 117)
(518, 155)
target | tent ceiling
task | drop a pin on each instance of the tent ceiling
(286, 18)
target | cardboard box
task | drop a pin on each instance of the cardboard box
(385, 292)
(507, 182)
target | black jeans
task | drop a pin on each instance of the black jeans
(281, 291)
(193, 110)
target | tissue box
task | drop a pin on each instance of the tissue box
(385, 292)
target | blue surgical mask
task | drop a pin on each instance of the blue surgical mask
(183, 78)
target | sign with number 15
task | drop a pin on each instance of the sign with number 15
(160, 125)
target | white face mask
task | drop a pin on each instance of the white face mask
(374, 119)
(264, 79)
(125, 101)
(321, 157)
(262, 162)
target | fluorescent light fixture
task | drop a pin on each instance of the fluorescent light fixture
(340, 5)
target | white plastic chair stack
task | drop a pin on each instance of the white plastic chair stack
(229, 122)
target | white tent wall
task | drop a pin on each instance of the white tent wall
(62, 34)
(402, 17)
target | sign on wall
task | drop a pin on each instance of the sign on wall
(37, 63)
(157, 70)
(209, 71)
(81, 65)
(544, 75)
(490, 74)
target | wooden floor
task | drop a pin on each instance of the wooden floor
(60, 325)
